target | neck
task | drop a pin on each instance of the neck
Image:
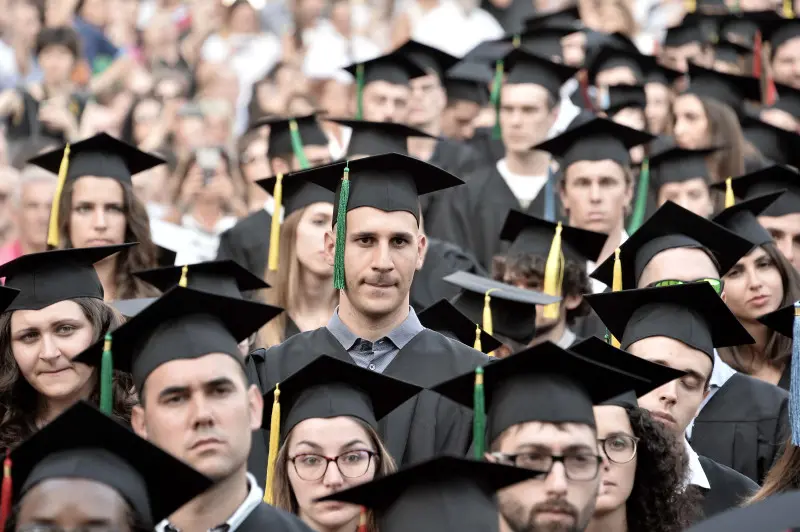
(58, 89)
(760, 334)
(28, 247)
(207, 213)
(612, 243)
(370, 328)
(614, 521)
(316, 299)
(528, 162)
(258, 196)
(215, 506)
(350, 526)
(107, 272)
(50, 408)
(421, 147)
(554, 333)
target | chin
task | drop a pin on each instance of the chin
(335, 519)
(64, 388)
(215, 466)
(606, 503)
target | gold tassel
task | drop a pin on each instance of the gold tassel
(184, 273)
(52, 229)
(616, 285)
(487, 311)
(788, 9)
(478, 346)
(274, 440)
(553, 274)
(730, 199)
(690, 6)
(275, 227)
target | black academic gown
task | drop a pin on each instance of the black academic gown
(442, 259)
(268, 518)
(743, 426)
(729, 489)
(786, 377)
(489, 149)
(425, 426)
(247, 242)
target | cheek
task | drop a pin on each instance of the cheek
(26, 356)
(73, 345)
(773, 280)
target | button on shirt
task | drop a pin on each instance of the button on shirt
(375, 356)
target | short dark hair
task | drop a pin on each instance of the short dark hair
(58, 36)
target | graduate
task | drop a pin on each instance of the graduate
(466, 86)
(785, 112)
(783, 34)
(682, 176)
(376, 247)
(686, 43)
(775, 144)
(658, 85)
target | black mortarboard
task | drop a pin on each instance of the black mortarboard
(131, 307)
(781, 320)
(7, 296)
(608, 57)
(305, 130)
(182, 324)
(739, 27)
(774, 143)
(444, 318)
(672, 226)
(595, 140)
(428, 57)
(623, 96)
(569, 16)
(690, 29)
(526, 67)
(658, 73)
(742, 218)
(692, 313)
(770, 179)
(730, 52)
(595, 40)
(670, 163)
(84, 443)
(102, 156)
(529, 234)
(441, 495)
(773, 514)
(296, 193)
(165, 257)
(544, 41)
(788, 99)
(730, 89)
(512, 310)
(221, 277)
(487, 52)
(469, 81)
(395, 68)
(376, 138)
(52, 276)
(778, 30)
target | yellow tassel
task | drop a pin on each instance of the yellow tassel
(616, 285)
(274, 440)
(487, 311)
(730, 199)
(788, 9)
(478, 346)
(690, 6)
(52, 229)
(275, 228)
(184, 273)
(553, 274)
(516, 41)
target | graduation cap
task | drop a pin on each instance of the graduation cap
(691, 313)
(774, 513)
(788, 99)
(131, 307)
(670, 163)
(662, 75)
(84, 443)
(742, 218)
(376, 138)
(166, 257)
(442, 494)
(671, 226)
(773, 178)
(595, 140)
(623, 96)
(328, 387)
(52, 276)
(569, 16)
(777, 30)
(444, 318)
(395, 68)
(730, 89)
(740, 27)
(7, 296)
(690, 29)
(487, 52)
(428, 57)
(525, 67)
(469, 82)
(291, 135)
(182, 324)
(544, 41)
(774, 143)
(101, 155)
(221, 277)
(730, 51)
(499, 307)
(608, 57)
(390, 182)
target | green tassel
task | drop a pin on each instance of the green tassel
(341, 230)
(360, 92)
(479, 416)
(639, 208)
(106, 377)
(297, 145)
(494, 98)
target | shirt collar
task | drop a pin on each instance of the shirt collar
(697, 477)
(721, 372)
(566, 339)
(400, 336)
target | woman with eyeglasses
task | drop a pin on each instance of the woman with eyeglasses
(643, 470)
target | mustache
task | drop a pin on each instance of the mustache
(380, 279)
(556, 506)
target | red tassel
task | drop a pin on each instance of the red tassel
(772, 92)
(583, 83)
(757, 55)
(362, 521)
(5, 496)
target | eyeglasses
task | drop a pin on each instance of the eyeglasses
(619, 448)
(582, 466)
(716, 284)
(352, 464)
(38, 527)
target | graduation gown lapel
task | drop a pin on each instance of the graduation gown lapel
(728, 488)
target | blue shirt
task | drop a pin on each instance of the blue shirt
(95, 47)
(375, 356)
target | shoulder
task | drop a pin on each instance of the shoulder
(731, 479)
(265, 515)
(462, 354)
(759, 394)
(259, 220)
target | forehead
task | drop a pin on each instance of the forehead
(788, 223)
(524, 93)
(605, 168)
(688, 103)
(610, 419)
(63, 310)
(93, 187)
(194, 371)
(681, 264)
(329, 432)
(385, 88)
(672, 353)
(370, 219)
(72, 500)
(554, 436)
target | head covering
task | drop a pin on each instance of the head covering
(672, 226)
(83, 443)
(469, 82)
(773, 178)
(777, 30)
(788, 99)
(742, 218)
(166, 257)
(531, 235)
(395, 68)
(131, 307)
(622, 97)
(222, 277)
(662, 75)
(427, 57)
(562, 18)
(608, 57)
(524, 67)
(444, 318)
(376, 138)
(776, 144)
(595, 140)
(730, 89)
(669, 163)
(730, 52)
(689, 30)
(691, 313)
(499, 307)
(291, 135)
(52, 276)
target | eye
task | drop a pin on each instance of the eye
(399, 241)
(310, 460)
(617, 443)
(354, 457)
(28, 337)
(66, 329)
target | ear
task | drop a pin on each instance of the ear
(572, 302)
(422, 249)
(330, 247)
(256, 406)
(137, 421)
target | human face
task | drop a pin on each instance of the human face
(98, 212)
(458, 119)
(57, 63)
(786, 63)
(780, 118)
(692, 194)
(202, 411)
(573, 48)
(544, 325)
(616, 485)
(95, 12)
(73, 504)
(595, 195)
(554, 503)
(785, 231)
(657, 110)
(146, 115)
(681, 264)
(525, 115)
(427, 101)
(25, 22)
(243, 19)
(334, 96)
(691, 129)
(327, 437)
(753, 287)
(675, 404)
(633, 118)
(619, 75)
(383, 251)
(255, 164)
(678, 57)
(310, 238)
(386, 102)
(316, 155)
(36, 199)
(45, 341)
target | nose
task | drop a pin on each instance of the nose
(99, 218)
(753, 279)
(333, 477)
(669, 393)
(202, 414)
(50, 350)
(595, 194)
(556, 481)
(382, 259)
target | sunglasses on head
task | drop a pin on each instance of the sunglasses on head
(716, 284)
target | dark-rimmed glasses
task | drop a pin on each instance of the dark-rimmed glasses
(352, 464)
(581, 466)
(717, 284)
(620, 448)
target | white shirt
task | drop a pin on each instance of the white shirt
(524, 187)
(598, 286)
(697, 477)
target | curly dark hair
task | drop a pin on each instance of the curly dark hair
(528, 269)
(659, 501)
(18, 399)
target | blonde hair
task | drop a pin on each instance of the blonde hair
(282, 486)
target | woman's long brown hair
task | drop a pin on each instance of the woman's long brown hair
(725, 133)
(784, 475)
